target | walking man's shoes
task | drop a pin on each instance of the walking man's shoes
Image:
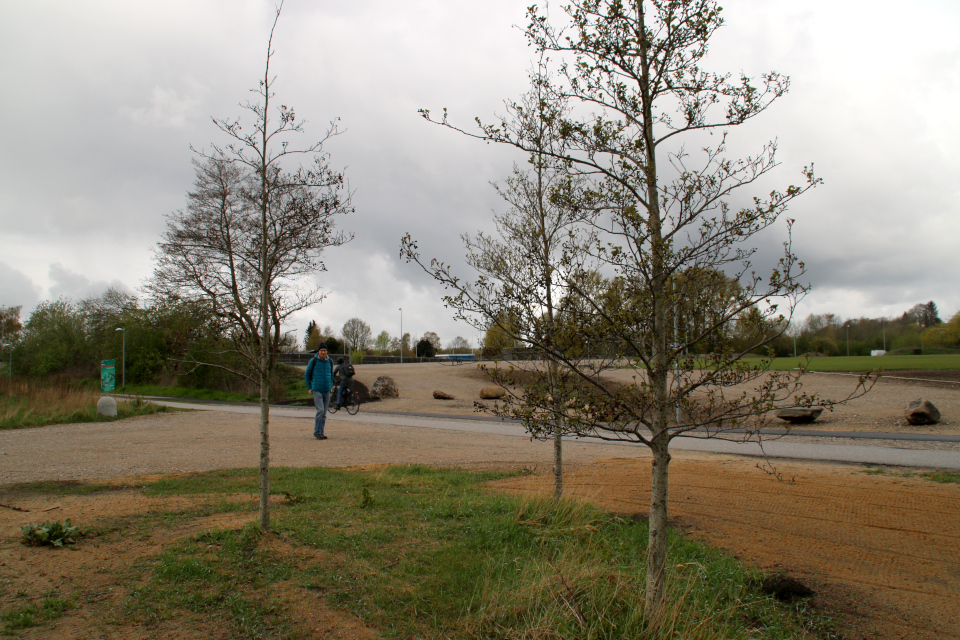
(320, 437)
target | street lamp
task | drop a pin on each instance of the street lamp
(124, 379)
(401, 335)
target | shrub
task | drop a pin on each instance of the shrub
(56, 534)
(826, 346)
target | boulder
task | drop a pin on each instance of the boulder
(492, 393)
(800, 415)
(107, 406)
(385, 387)
(442, 395)
(921, 411)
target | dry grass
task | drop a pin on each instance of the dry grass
(34, 403)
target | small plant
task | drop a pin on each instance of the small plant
(365, 498)
(56, 534)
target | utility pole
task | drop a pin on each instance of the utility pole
(124, 378)
(401, 335)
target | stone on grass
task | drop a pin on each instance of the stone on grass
(385, 387)
(492, 393)
(442, 395)
(921, 411)
(800, 415)
(107, 406)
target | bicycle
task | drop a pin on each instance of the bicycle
(351, 401)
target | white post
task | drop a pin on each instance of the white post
(401, 335)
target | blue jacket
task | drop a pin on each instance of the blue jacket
(319, 374)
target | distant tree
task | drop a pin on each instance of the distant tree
(425, 349)
(499, 336)
(251, 233)
(932, 314)
(434, 339)
(356, 334)
(382, 343)
(54, 340)
(10, 324)
(925, 315)
(458, 344)
(395, 345)
(823, 344)
(309, 334)
(945, 334)
(405, 345)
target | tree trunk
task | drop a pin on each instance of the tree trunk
(264, 452)
(657, 542)
(557, 460)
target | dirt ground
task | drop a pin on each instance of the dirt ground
(882, 551)
(880, 410)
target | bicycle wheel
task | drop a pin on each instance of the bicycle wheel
(332, 406)
(354, 404)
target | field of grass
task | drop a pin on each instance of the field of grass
(29, 403)
(866, 363)
(425, 553)
(291, 382)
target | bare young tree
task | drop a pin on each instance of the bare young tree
(251, 232)
(382, 343)
(356, 333)
(524, 268)
(458, 344)
(662, 226)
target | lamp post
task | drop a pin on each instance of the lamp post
(401, 335)
(124, 361)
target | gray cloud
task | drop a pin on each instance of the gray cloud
(109, 96)
(17, 289)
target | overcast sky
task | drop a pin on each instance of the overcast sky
(103, 98)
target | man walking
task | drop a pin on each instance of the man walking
(319, 379)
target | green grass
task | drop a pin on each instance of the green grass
(186, 392)
(291, 381)
(866, 363)
(32, 615)
(427, 553)
(943, 477)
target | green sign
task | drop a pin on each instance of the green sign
(108, 375)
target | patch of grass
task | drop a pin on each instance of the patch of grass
(186, 392)
(866, 363)
(32, 615)
(428, 553)
(945, 477)
(59, 488)
(221, 573)
(290, 387)
(31, 403)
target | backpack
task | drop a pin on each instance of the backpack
(348, 370)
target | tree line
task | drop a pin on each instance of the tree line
(356, 337)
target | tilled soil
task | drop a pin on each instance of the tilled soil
(881, 550)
